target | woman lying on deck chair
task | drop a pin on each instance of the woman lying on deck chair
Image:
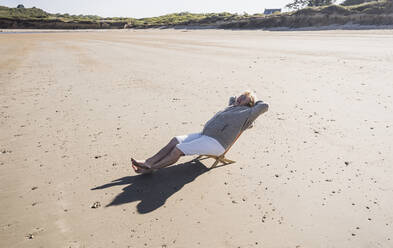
(218, 134)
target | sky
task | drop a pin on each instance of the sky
(147, 8)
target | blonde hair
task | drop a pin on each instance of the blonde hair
(252, 97)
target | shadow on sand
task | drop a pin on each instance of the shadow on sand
(153, 190)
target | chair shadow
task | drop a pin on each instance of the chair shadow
(152, 190)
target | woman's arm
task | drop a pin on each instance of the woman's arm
(232, 100)
(259, 108)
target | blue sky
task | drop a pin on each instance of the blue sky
(147, 8)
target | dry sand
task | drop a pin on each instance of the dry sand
(315, 171)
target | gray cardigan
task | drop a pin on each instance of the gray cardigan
(227, 124)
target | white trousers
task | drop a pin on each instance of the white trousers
(199, 144)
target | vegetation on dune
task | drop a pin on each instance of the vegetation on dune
(307, 13)
(355, 2)
(22, 13)
(22, 17)
(170, 20)
(299, 4)
(373, 7)
(368, 13)
(186, 18)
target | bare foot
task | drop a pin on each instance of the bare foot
(140, 170)
(140, 164)
(143, 171)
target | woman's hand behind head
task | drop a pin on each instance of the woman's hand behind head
(245, 99)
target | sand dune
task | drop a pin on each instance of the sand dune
(315, 171)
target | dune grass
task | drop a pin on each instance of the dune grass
(224, 19)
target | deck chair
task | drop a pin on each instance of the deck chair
(220, 158)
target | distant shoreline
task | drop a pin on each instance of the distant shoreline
(276, 29)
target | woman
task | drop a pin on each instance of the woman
(217, 135)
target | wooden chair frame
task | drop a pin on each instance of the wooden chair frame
(220, 158)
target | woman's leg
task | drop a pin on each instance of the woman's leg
(167, 154)
(171, 158)
(162, 153)
(158, 156)
(168, 148)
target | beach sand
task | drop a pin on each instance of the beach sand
(314, 171)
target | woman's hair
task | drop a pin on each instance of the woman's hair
(252, 97)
